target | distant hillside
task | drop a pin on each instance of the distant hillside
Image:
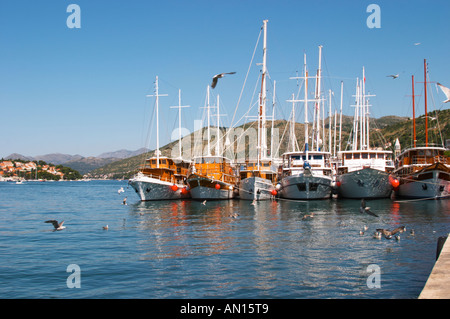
(123, 153)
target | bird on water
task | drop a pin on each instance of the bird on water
(388, 233)
(364, 209)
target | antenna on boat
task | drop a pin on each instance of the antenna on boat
(179, 106)
(157, 95)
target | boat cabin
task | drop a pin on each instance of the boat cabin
(214, 167)
(414, 159)
(264, 169)
(295, 163)
(169, 170)
(355, 160)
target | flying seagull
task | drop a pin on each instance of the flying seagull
(393, 76)
(364, 209)
(417, 43)
(58, 226)
(388, 233)
(217, 76)
(446, 92)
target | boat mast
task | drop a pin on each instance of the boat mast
(306, 107)
(262, 107)
(208, 130)
(318, 92)
(157, 95)
(414, 113)
(273, 118)
(340, 119)
(179, 106)
(425, 92)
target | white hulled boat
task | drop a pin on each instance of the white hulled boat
(307, 174)
(258, 177)
(364, 172)
(161, 177)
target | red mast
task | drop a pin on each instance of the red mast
(426, 112)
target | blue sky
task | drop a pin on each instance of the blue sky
(83, 91)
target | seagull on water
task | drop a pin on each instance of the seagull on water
(388, 233)
(105, 227)
(446, 92)
(216, 78)
(364, 209)
(308, 216)
(56, 225)
(394, 76)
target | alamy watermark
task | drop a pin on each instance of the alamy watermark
(374, 279)
(74, 19)
(374, 19)
(74, 279)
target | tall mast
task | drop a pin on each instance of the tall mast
(425, 92)
(318, 92)
(157, 95)
(273, 119)
(329, 123)
(414, 113)
(218, 129)
(306, 108)
(179, 106)
(262, 107)
(340, 119)
(208, 129)
(363, 113)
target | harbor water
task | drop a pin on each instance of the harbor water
(218, 249)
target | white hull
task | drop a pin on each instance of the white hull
(255, 188)
(364, 183)
(306, 186)
(202, 188)
(433, 187)
(149, 189)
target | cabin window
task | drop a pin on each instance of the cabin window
(381, 155)
(163, 162)
(317, 157)
(153, 161)
(365, 155)
(301, 187)
(373, 155)
(297, 157)
(356, 155)
(348, 156)
(444, 176)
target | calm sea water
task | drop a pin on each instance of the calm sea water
(183, 249)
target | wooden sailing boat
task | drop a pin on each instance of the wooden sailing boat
(423, 171)
(258, 177)
(210, 176)
(364, 172)
(161, 177)
(307, 174)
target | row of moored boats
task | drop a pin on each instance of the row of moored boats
(306, 174)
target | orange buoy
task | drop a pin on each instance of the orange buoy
(274, 192)
(217, 186)
(338, 184)
(174, 187)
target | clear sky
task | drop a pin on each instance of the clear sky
(83, 90)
